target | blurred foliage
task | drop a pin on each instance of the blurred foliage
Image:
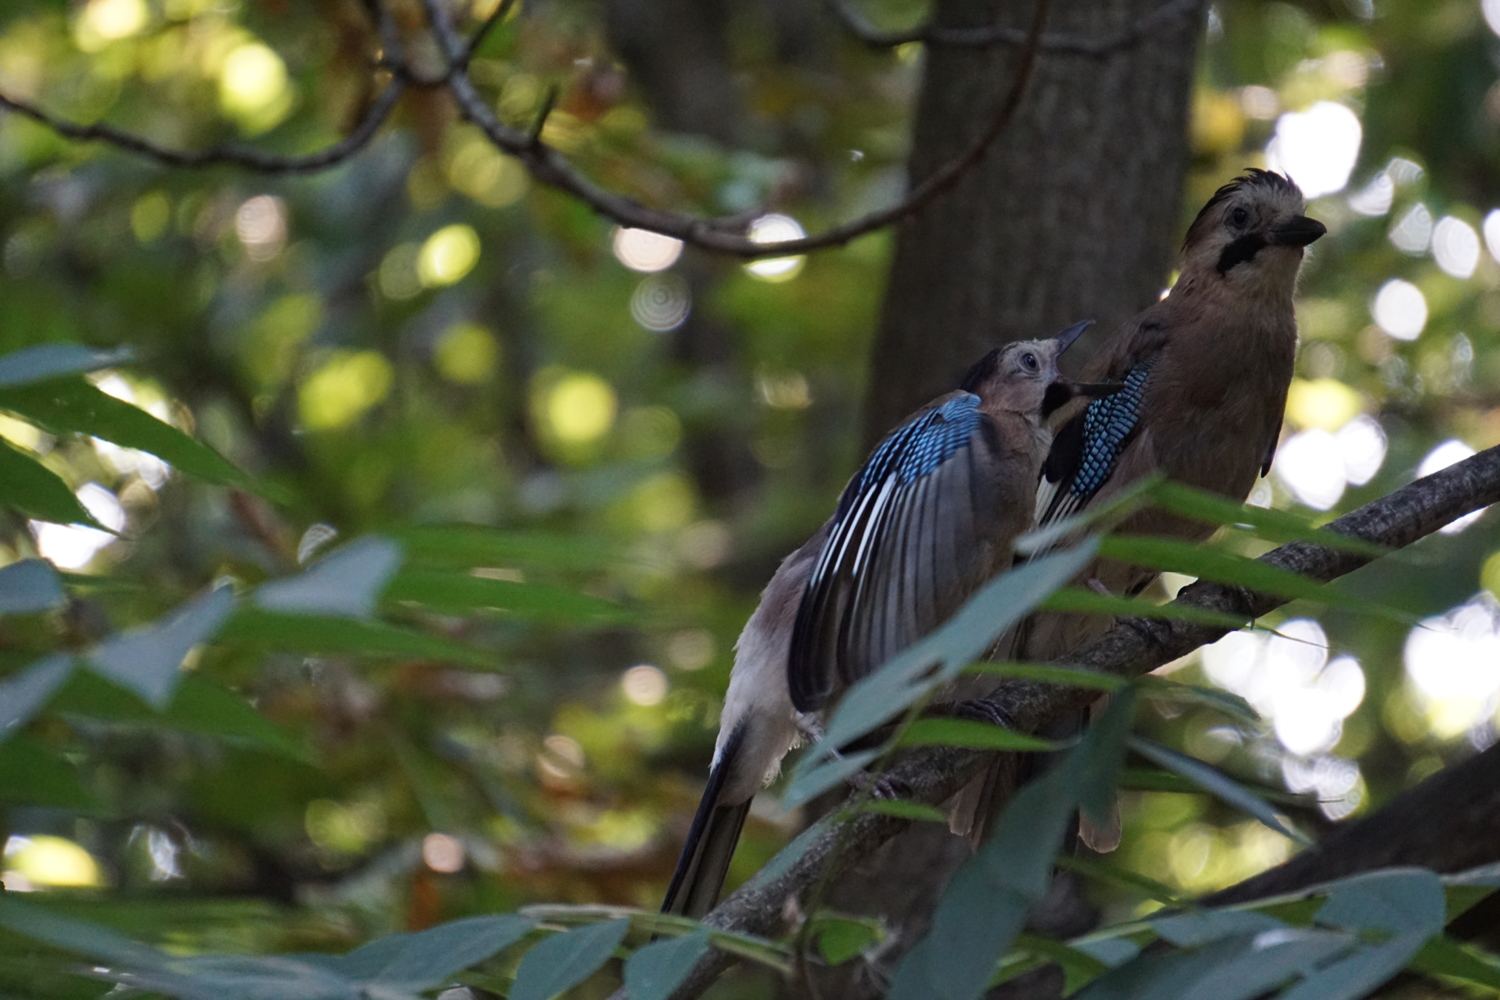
(421, 337)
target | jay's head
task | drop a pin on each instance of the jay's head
(1023, 376)
(1251, 234)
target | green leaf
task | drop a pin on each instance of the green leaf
(473, 545)
(36, 491)
(31, 774)
(23, 695)
(842, 938)
(971, 733)
(458, 592)
(30, 586)
(985, 903)
(1040, 540)
(902, 809)
(1163, 689)
(77, 936)
(1079, 967)
(148, 660)
(1392, 901)
(1443, 956)
(940, 657)
(1121, 877)
(1190, 930)
(430, 958)
(1080, 600)
(657, 969)
(1361, 973)
(1193, 559)
(76, 406)
(312, 635)
(1064, 676)
(345, 583)
(564, 960)
(1146, 779)
(1214, 783)
(1275, 525)
(45, 361)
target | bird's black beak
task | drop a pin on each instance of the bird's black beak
(1299, 232)
(1065, 339)
(1060, 392)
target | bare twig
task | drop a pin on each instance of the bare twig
(241, 156)
(550, 167)
(860, 27)
(1131, 648)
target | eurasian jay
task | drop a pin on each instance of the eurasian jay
(930, 518)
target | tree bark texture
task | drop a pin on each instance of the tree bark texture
(1074, 214)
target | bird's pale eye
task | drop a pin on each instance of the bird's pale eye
(1029, 360)
(1238, 218)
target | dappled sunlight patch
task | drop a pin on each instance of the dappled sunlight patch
(348, 384)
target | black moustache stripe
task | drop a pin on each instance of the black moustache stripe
(1241, 251)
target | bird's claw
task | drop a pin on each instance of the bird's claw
(879, 786)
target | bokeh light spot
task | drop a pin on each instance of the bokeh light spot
(1455, 246)
(644, 685)
(1439, 458)
(149, 216)
(1412, 233)
(43, 860)
(1317, 148)
(645, 251)
(1492, 231)
(1453, 661)
(580, 408)
(73, 546)
(448, 255)
(253, 87)
(1400, 309)
(105, 21)
(443, 852)
(260, 224)
(1325, 403)
(466, 353)
(1310, 464)
(776, 229)
(348, 384)
(661, 302)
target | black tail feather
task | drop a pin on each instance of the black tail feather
(710, 844)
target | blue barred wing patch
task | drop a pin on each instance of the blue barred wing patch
(1107, 424)
(914, 450)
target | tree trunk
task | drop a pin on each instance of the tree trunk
(1074, 214)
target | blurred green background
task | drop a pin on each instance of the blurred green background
(421, 336)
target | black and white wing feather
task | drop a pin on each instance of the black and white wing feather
(915, 533)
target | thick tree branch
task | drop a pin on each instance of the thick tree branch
(1133, 647)
(933, 34)
(240, 156)
(550, 167)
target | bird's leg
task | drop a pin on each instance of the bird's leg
(878, 785)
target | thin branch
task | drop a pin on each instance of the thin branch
(1097, 48)
(1130, 648)
(251, 159)
(550, 167)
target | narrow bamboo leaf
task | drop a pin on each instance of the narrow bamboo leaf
(564, 960)
(1158, 975)
(30, 586)
(1145, 779)
(1271, 524)
(1042, 540)
(984, 905)
(1190, 930)
(902, 809)
(908, 676)
(76, 406)
(1443, 956)
(23, 695)
(1214, 783)
(346, 583)
(1163, 689)
(36, 491)
(1079, 967)
(822, 774)
(32, 774)
(1110, 951)
(77, 936)
(1392, 901)
(1361, 973)
(842, 938)
(972, 734)
(1170, 555)
(1050, 675)
(1487, 876)
(459, 592)
(657, 969)
(474, 545)
(1121, 877)
(430, 958)
(148, 660)
(314, 635)
(45, 361)
(1077, 599)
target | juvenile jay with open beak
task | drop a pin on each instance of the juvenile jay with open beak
(929, 519)
(1205, 373)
